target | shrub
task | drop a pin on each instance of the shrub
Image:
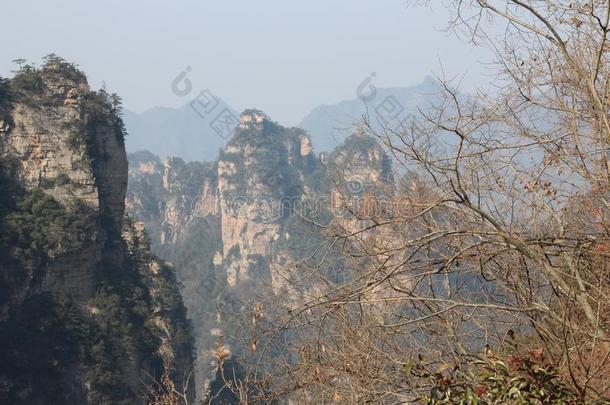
(37, 227)
(103, 109)
(62, 179)
(4, 92)
(55, 65)
(518, 380)
(27, 80)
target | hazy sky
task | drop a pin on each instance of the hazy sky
(284, 57)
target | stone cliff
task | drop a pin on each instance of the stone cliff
(87, 313)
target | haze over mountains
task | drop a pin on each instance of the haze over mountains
(188, 132)
(329, 125)
(196, 131)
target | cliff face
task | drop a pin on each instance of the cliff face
(246, 195)
(233, 228)
(58, 145)
(87, 313)
(261, 175)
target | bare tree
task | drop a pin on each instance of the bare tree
(496, 245)
(165, 392)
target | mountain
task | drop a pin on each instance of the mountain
(198, 130)
(206, 219)
(195, 131)
(329, 125)
(88, 315)
(233, 227)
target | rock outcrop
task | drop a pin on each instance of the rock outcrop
(261, 176)
(87, 313)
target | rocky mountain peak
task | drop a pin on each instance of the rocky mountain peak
(66, 139)
(63, 81)
(361, 157)
(252, 118)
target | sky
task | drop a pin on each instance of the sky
(283, 57)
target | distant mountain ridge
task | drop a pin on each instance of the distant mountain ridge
(193, 134)
(329, 125)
